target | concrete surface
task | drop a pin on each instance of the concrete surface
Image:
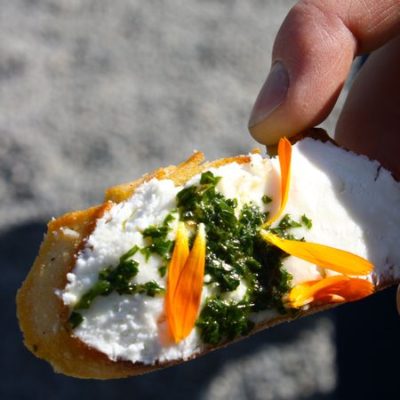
(94, 93)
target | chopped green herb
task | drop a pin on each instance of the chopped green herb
(157, 235)
(220, 321)
(118, 279)
(270, 280)
(203, 204)
(284, 225)
(266, 199)
(156, 232)
(162, 248)
(150, 288)
(100, 288)
(287, 222)
(235, 253)
(146, 251)
(162, 270)
(130, 253)
(75, 319)
(226, 277)
(209, 178)
(169, 218)
(306, 221)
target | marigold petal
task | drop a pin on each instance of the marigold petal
(304, 293)
(285, 159)
(334, 289)
(178, 260)
(324, 256)
(350, 289)
(185, 302)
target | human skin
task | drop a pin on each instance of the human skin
(311, 59)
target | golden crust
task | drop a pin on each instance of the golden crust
(41, 313)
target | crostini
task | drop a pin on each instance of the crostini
(192, 257)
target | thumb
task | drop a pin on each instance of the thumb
(311, 59)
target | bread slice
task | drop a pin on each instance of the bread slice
(43, 316)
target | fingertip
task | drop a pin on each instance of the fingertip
(286, 120)
(270, 130)
(264, 123)
(272, 94)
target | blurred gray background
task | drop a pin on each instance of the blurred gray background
(97, 92)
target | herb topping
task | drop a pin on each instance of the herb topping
(236, 253)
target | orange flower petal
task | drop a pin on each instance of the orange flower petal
(178, 260)
(334, 289)
(351, 289)
(303, 293)
(185, 302)
(285, 158)
(321, 255)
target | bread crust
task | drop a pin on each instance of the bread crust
(43, 317)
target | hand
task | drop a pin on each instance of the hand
(311, 60)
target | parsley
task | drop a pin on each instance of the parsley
(220, 321)
(235, 252)
(209, 178)
(75, 319)
(157, 236)
(118, 279)
(150, 288)
(284, 225)
(266, 199)
(162, 270)
(306, 221)
(100, 288)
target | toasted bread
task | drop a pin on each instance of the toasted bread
(43, 316)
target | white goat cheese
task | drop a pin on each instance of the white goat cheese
(331, 186)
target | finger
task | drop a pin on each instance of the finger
(311, 59)
(370, 119)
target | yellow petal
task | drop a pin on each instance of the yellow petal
(185, 302)
(285, 159)
(321, 255)
(334, 289)
(178, 260)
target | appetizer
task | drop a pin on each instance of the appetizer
(193, 257)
